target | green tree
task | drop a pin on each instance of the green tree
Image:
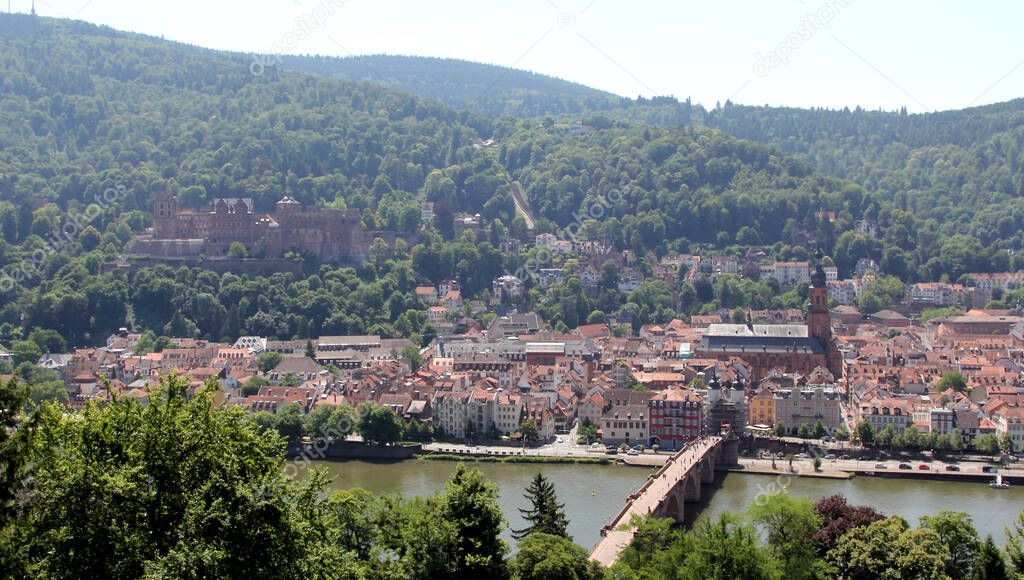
(413, 354)
(470, 503)
(1015, 543)
(780, 429)
(48, 391)
(790, 524)
(268, 360)
(889, 548)
(865, 432)
(545, 514)
(528, 429)
(987, 443)
(310, 350)
(14, 471)
(379, 424)
(237, 251)
(165, 493)
(329, 421)
(819, 430)
(989, 563)
(25, 351)
(288, 421)
(952, 380)
(727, 548)
(957, 533)
(544, 556)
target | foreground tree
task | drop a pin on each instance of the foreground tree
(14, 431)
(839, 517)
(956, 531)
(1015, 543)
(789, 525)
(470, 503)
(989, 564)
(545, 556)
(889, 548)
(176, 488)
(545, 515)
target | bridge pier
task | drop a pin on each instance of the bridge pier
(708, 473)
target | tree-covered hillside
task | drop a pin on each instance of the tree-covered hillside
(94, 121)
(488, 89)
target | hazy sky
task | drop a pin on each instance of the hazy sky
(923, 55)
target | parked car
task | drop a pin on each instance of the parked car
(632, 452)
(830, 456)
(988, 469)
(803, 455)
(844, 457)
(881, 466)
(905, 466)
(952, 468)
(611, 451)
(923, 467)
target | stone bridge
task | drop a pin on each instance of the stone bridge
(667, 491)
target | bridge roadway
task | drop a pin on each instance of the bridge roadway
(664, 493)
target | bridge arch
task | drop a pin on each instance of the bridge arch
(674, 508)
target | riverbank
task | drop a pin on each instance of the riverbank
(513, 458)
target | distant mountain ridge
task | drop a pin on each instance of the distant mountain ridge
(489, 89)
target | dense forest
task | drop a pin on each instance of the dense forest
(94, 121)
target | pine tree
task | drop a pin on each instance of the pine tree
(990, 562)
(546, 514)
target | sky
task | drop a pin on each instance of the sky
(924, 56)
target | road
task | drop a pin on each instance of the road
(517, 198)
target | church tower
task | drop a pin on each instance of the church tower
(819, 320)
(819, 323)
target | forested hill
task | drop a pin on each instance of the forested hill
(489, 89)
(962, 168)
(94, 121)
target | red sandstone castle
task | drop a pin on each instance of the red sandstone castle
(328, 234)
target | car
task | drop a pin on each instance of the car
(881, 466)
(612, 451)
(844, 457)
(988, 469)
(952, 468)
(633, 452)
(830, 456)
(923, 467)
(905, 466)
(803, 455)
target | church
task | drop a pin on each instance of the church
(793, 347)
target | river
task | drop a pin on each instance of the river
(593, 493)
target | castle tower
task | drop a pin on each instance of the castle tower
(288, 206)
(165, 216)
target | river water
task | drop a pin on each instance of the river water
(592, 494)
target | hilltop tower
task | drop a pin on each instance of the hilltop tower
(165, 216)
